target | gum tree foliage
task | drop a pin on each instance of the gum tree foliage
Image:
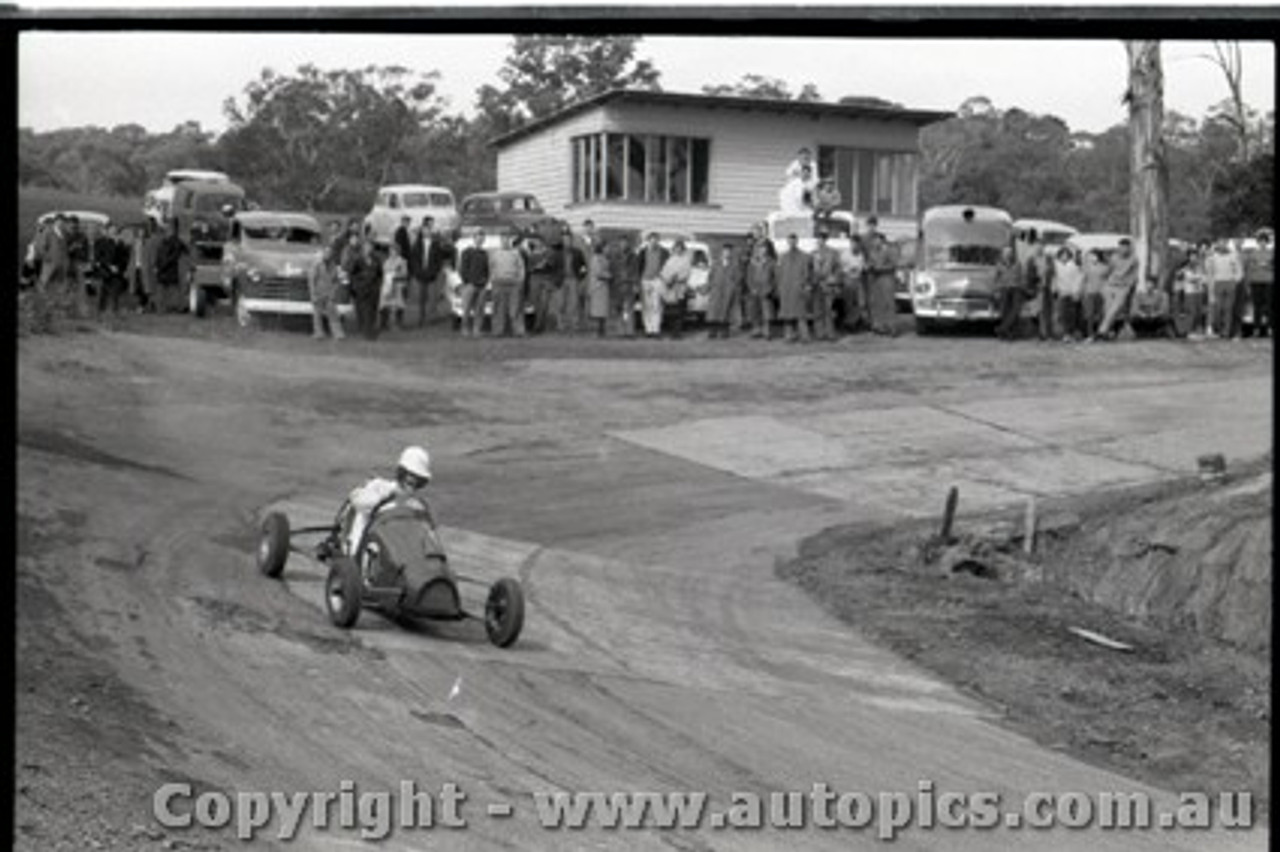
(123, 161)
(326, 139)
(760, 86)
(1034, 166)
(544, 73)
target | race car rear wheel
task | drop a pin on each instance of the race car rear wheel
(342, 590)
(273, 547)
(504, 612)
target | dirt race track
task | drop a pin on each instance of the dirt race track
(641, 491)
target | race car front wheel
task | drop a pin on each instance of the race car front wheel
(273, 547)
(504, 612)
(342, 592)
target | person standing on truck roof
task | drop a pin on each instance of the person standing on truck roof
(803, 160)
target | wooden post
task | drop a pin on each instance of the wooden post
(1029, 528)
(949, 513)
(1148, 166)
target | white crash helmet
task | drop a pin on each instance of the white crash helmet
(416, 461)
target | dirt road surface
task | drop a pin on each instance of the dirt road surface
(641, 491)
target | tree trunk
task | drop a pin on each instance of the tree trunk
(1148, 167)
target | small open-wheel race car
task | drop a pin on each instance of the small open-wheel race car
(399, 569)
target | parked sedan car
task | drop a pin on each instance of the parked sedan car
(414, 200)
(500, 213)
(266, 263)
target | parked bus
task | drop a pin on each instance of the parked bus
(954, 281)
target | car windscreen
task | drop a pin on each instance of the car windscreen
(525, 204)
(428, 199)
(785, 226)
(280, 233)
(214, 202)
(959, 243)
(406, 533)
(836, 228)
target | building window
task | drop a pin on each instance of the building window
(641, 167)
(879, 182)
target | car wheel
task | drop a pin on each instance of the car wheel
(504, 612)
(273, 547)
(197, 300)
(342, 590)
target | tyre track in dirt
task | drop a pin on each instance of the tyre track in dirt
(653, 661)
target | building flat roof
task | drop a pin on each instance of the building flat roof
(917, 117)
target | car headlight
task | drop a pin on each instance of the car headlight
(924, 286)
(255, 275)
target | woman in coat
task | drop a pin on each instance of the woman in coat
(794, 269)
(598, 277)
(723, 285)
(395, 287)
(761, 284)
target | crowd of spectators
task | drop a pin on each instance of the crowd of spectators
(573, 282)
(1090, 296)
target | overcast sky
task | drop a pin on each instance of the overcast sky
(159, 80)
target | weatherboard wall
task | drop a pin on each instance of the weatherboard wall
(749, 152)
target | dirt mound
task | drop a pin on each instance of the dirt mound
(1176, 575)
(1198, 560)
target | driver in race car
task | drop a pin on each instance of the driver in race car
(413, 473)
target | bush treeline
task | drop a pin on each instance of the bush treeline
(325, 140)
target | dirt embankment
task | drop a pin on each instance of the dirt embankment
(1199, 560)
(1180, 573)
